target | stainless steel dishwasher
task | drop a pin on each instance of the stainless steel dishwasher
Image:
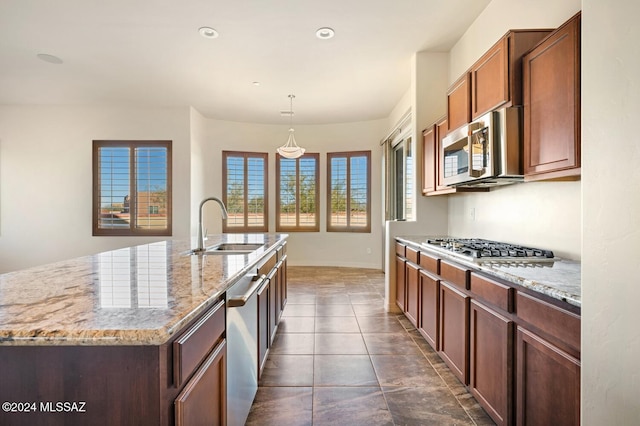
(242, 347)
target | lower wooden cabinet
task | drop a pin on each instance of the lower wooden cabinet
(454, 330)
(491, 364)
(400, 284)
(547, 383)
(412, 279)
(265, 297)
(428, 318)
(203, 399)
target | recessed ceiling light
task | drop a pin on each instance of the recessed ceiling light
(208, 32)
(325, 33)
(256, 83)
(49, 58)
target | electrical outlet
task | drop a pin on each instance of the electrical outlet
(368, 250)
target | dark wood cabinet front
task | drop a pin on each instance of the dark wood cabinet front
(203, 399)
(412, 289)
(265, 294)
(547, 383)
(454, 330)
(458, 103)
(552, 105)
(428, 317)
(429, 167)
(491, 363)
(400, 283)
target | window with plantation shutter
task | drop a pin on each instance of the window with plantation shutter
(244, 182)
(132, 188)
(298, 198)
(349, 192)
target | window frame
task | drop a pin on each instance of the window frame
(348, 155)
(245, 155)
(132, 231)
(298, 227)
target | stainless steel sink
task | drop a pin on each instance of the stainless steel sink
(228, 248)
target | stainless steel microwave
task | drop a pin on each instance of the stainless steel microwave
(485, 152)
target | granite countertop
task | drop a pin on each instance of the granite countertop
(559, 279)
(140, 295)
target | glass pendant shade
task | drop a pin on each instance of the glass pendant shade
(291, 148)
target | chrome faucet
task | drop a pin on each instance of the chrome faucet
(201, 232)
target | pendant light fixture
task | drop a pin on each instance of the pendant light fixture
(291, 148)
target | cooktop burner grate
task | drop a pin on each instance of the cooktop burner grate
(477, 248)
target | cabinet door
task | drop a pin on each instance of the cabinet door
(282, 281)
(400, 284)
(203, 399)
(264, 324)
(441, 132)
(429, 160)
(428, 318)
(275, 292)
(459, 103)
(412, 289)
(489, 79)
(491, 368)
(547, 383)
(454, 330)
(552, 105)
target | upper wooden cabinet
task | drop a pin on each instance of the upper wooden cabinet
(496, 78)
(552, 105)
(458, 101)
(429, 167)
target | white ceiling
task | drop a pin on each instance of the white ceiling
(149, 53)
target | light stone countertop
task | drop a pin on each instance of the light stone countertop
(559, 279)
(139, 295)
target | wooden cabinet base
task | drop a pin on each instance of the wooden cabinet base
(548, 383)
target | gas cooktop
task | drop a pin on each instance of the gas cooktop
(479, 250)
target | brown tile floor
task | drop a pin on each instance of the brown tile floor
(340, 359)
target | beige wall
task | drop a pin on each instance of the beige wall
(546, 214)
(45, 177)
(610, 212)
(305, 248)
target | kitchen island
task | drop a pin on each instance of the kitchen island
(114, 338)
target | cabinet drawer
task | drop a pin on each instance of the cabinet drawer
(430, 263)
(194, 344)
(561, 324)
(400, 249)
(492, 292)
(267, 266)
(454, 274)
(412, 255)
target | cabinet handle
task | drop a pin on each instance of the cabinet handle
(235, 302)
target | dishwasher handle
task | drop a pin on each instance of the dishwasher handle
(237, 301)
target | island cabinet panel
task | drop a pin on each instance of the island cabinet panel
(400, 283)
(109, 384)
(190, 348)
(458, 103)
(203, 399)
(282, 284)
(275, 302)
(491, 364)
(264, 295)
(428, 321)
(412, 278)
(547, 383)
(454, 330)
(552, 105)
